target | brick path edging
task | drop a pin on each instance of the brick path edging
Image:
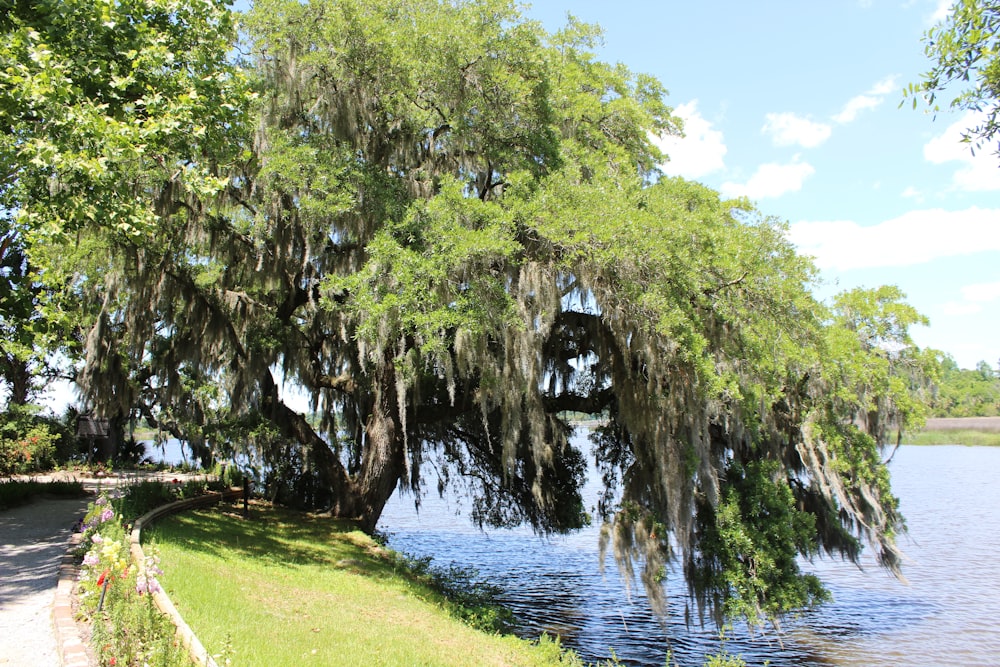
(72, 650)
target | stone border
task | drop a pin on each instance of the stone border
(70, 645)
(72, 650)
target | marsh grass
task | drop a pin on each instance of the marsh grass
(971, 438)
(284, 588)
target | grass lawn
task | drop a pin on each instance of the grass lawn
(283, 588)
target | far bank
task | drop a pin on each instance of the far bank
(970, 431)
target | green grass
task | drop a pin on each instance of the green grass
(955, 437)
(283, 588)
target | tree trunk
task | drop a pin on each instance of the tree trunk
(364, 497)
(383, 461)
(18, 376)
(294, 426)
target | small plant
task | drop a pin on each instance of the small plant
(225, 656)
(725, 659)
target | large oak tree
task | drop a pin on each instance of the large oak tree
(447, 229)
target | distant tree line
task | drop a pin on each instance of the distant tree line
(963, 392)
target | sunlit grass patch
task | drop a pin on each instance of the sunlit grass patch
(283, 588)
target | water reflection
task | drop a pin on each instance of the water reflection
(945, 616)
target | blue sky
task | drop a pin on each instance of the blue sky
(797, 106)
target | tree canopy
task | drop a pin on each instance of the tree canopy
(964, 50)
(446, 227)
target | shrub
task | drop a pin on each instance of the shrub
(25, 447)
(137, 499)
(17, 492)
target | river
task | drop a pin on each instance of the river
(948, 613)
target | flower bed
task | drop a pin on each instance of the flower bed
(115, 596)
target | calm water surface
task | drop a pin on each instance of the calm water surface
(948, 613)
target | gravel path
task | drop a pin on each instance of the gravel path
(33, 539)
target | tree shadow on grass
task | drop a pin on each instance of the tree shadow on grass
(276, 537)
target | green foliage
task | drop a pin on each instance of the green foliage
(26, 337)
(112, 113)
(968, 438)
(132, 631)
(725, 659)
(961, 392)
(28, 443)
(135, 500)
(101, 100)
(854, 453)
(750, 545)
(449, 231)
(964, 50)
(129, 453)
(18, 492)
(879, 378)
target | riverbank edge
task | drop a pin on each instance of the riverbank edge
(73, 651)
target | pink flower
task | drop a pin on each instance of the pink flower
(145, 584)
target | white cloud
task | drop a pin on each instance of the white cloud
(787, 129)
(978, 172)
(959, 308)
(973, 299)
(771, 180)
(913, 238)
(981, 292)
(941, 12)
(867, 100)
(912, 193)
(699, 152)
